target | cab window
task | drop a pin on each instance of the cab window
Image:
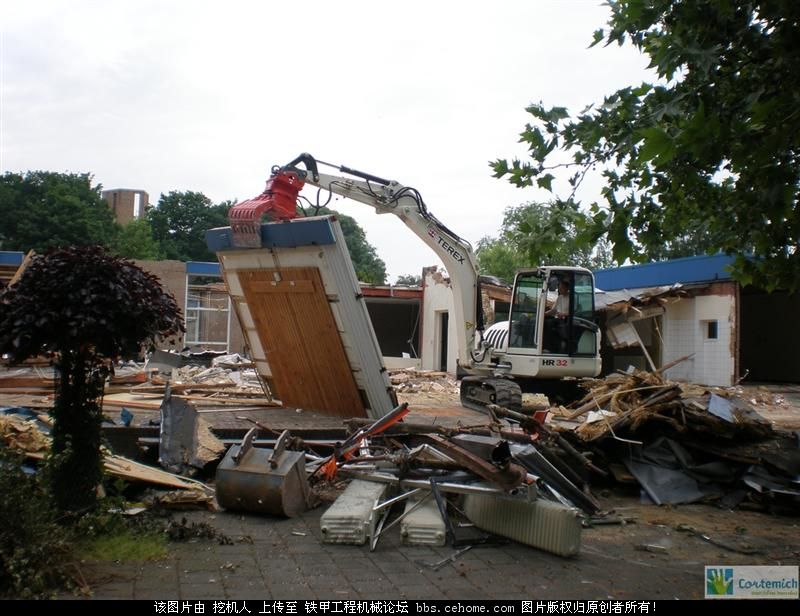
(524, 311)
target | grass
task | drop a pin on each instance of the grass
(124, 545)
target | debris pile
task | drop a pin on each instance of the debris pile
(27, 432)
(495, 476)
(20, 433)
(683, 443)
(434, 385)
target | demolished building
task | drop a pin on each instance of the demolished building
(656, 313)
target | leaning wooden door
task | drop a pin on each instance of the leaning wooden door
(297, 330)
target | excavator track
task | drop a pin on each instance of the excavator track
(478, 392)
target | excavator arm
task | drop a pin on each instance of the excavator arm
(385, 197)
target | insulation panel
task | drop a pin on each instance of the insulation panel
(351, 518)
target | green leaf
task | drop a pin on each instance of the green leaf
(500, 167)
(546, 182)
(656, 143)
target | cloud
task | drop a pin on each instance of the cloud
(207, 96)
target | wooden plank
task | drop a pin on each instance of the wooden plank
(134, 471)
(298, 333)
(220, 400)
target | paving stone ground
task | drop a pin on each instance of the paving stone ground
(287, 560)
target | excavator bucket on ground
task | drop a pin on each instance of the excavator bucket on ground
(264, 480)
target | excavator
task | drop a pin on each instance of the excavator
(548, 338)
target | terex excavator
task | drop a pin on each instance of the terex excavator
(529, 351)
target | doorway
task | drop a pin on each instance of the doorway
(443, 323)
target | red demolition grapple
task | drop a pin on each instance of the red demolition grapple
(278, 202)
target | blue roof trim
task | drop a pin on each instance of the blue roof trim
(290, 234)
(704, 268)
(203, 268)
(11, 258)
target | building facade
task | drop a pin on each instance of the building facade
(692, 312)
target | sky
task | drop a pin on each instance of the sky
(208, 96)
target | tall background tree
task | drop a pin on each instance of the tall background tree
(535, 234)
(43, 209)
(705, 158)
(179, 223)
(134, 240)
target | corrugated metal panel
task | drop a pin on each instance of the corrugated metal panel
(351, 518)
(541, 524)
(691, 269)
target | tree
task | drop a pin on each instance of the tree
(134, 240)
(409, 280)
(43, 209)
(85, 308)
(535, 234)
(710, 150)
(369, 267)
(180, 221)
(497, 257)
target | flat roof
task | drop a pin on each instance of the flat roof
(703, 268)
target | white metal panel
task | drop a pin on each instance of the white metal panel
(234, 287)
(255, 345)
(245, 315)
(240, 259)
(263, 368)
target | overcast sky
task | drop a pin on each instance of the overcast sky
(207, 96)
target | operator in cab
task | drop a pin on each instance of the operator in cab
(556, 327)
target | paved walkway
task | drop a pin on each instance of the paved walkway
(286, 560)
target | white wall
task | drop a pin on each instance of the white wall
(400, 363)
(685, 332)
(437, 298)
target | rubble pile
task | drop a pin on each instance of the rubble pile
(22, 435)
(26, 432)
(437, 386)
(229, 381)
(504, 475)
(684, 443)
(496, 477)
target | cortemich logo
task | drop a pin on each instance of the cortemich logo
(751, 582)
(719, 581)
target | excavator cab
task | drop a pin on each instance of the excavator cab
(552, 313)
(551, 334)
